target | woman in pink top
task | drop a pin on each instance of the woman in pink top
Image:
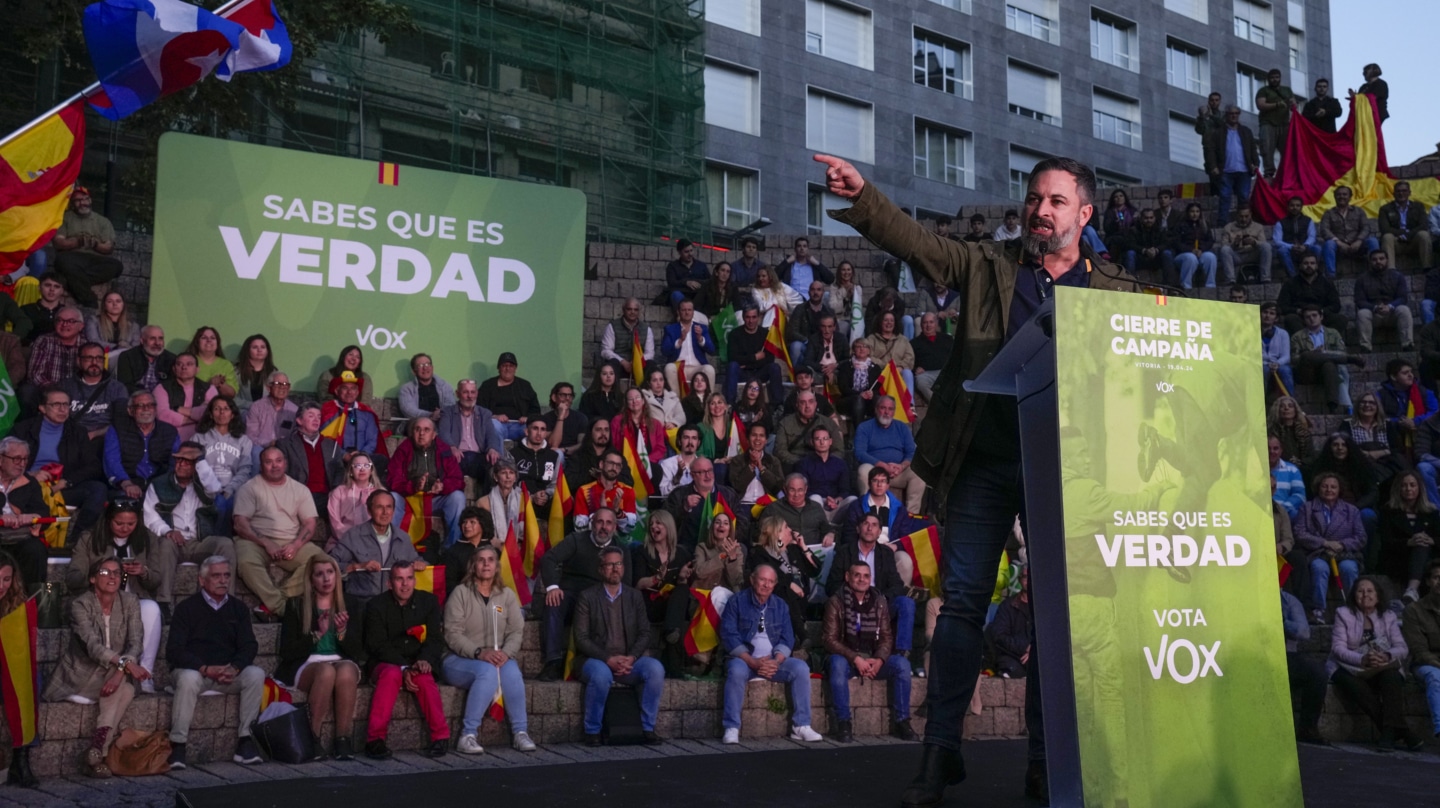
(180, 400)
(347, 507)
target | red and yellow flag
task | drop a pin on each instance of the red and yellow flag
(512, 566)
(713, 506)
(272, 692)
(775, 340)
(737, 435)
(432, 580)
(765, 499)
(637, 358)
(682, 384)
(37, 171)
(534, 542)
(1284, 567)
(20, 673)
(389, 174)
(560, 507)
(1335, 577)
(924, 547)
(893, 384)
(416, 521)
(704, 631)
(639, 470)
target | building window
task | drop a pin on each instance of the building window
(839, 32)
(1299, 78)
(742, 15)
(1022, 163)
(944, 154)
(1037, 18)
(962, 6)
(943, 64)
(1034, 94)
(1187, 67)
(734, 195)
(1185, 147)
(1114, 41)
(1255, 22)
(817, 201)
(732, 97)
(839, 126)
(1194, 9)
(1248, 81)
(1116, 119)
(1295, 14)
(1111, 179)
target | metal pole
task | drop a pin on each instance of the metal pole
(92, 89)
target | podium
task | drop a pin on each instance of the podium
(1153, 580)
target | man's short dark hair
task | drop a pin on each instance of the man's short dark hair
(977, 218)
(943, 219)
(756, 425)
(818, 428)
(1241, 289)
(416, 358)
(1270, 305)
(1274, 71)
(799, 239)
(1245, 206)
(682, 244)
(689, 428)
(1309, 307)
(1084, 177)
(377, 493)
(1380, 251)
(52, 275)
(1322, 78)
(616, 452)
(1166, 192)
(1394, 366)
(876, 472)
(555, 391)
(610, 550)
(307, 406)
(748, 240)
(870, 515)
(1294, 199)
(396, 566)
(1012, 212)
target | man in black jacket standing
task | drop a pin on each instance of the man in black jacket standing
(612, 633)
(404, 642)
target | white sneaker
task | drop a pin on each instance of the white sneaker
(522, 742)
(732, 735)
(148, 686)
(804, 733)
(469, 745)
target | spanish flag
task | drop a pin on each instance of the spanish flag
(1316, 163)
(20, 673)
(561, 506)
(1284, 567)
(389, 174)
(37, 171)
(713, 506)
(637, 358)
(273, 691)
(775, 340)
(512, 566)
(704, 631)
(416, 521)
(682, 384)
(893, 384)
(432, 580)
(639, 469)
(765, 499)
(1335, 577)
(534, 542)
(924, 547)
(737, 435)
(497, 705)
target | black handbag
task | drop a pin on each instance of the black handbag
(621, 726)
(286, 738)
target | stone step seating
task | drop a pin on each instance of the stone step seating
(690, 709)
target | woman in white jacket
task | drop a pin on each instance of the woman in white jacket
(770, 292)
(664, 405)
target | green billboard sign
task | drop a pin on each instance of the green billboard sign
(319, 252)
(1178, 650)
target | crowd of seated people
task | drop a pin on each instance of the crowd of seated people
(769, 483)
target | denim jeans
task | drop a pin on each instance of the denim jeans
(1427, 310)
(1430, 677)
(1187, 263)
(482, 679)
(509, 430)
(1232, 184)
(986, 495)
(1320, 578)
(1287, 257)
(902, 610)
(792, 670)
(896, 671)
(597, 676)
(1331, 252)
(1089, 236)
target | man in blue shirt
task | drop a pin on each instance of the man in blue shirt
(1231, 158)
(883, 442)
(755, 632)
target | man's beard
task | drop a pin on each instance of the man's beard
(884, 421)
(1040, 245)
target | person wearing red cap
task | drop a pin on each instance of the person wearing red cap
(360, 431)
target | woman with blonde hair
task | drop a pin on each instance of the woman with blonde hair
(659, 562)
(321, 653)
(111, 326)
(1286, 421)
(347, 504)
(485, 629)
(795, 568)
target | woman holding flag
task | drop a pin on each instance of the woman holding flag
(484, 630)
(1330, 530)
(320, 653)
(721, 436)
(887, 344)
(12, 597)
(659, 565)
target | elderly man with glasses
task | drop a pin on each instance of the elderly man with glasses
(138, 447)
(22, 505)
(63, 456)
(53, 356)
(469, 430)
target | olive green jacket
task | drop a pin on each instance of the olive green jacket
(984, 274)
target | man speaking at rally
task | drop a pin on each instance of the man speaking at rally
(968, 450)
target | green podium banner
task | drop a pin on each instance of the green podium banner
(319, 252)
(1178, 649)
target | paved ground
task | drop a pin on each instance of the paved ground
(1354, 761)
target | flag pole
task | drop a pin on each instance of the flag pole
(90, 90)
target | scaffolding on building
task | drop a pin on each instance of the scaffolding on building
(601, 95)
